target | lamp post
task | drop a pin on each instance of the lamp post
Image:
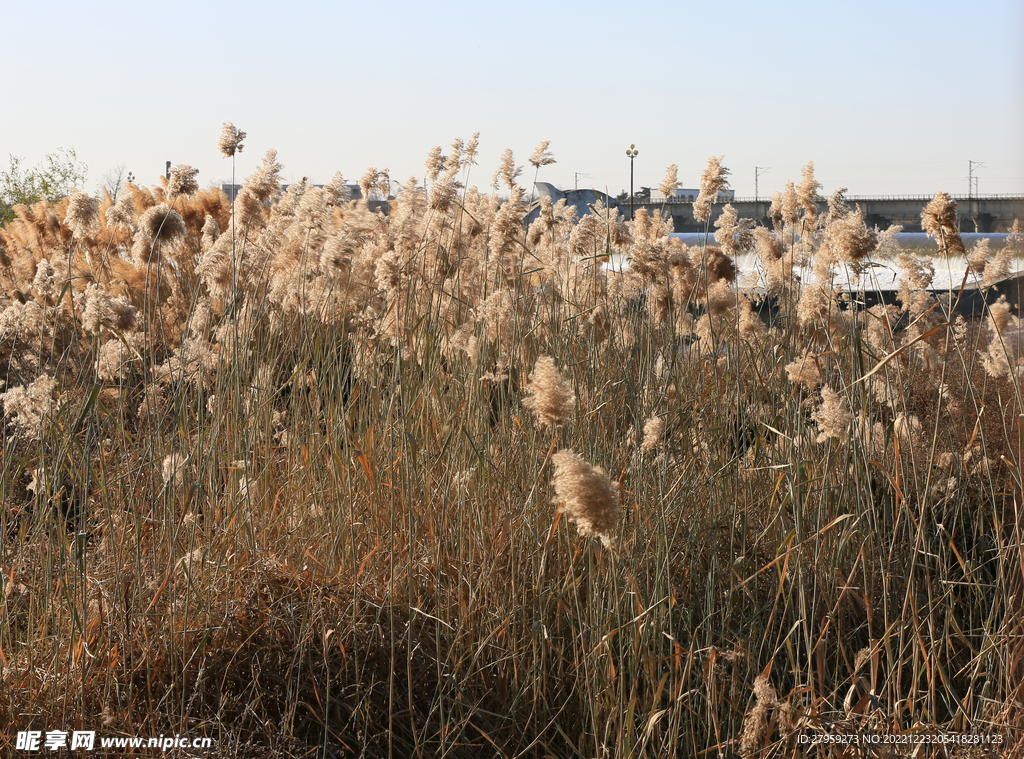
(632, 152)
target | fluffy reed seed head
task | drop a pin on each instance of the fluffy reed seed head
(157, 223)
(654, 433)
(97, 309)
(908, 429)
(266, 180)
(832, 417)
(161, 223)
(47, 282)
(712, 181)
(173, 469)
(979, 256)
(846, 236)
(550, 395)
(939, 220)
(29, 407)
(837, 205)
(123, 210)
(769, 247)
(1005, 341)
(542, 156)
(434, 163)
(230, 139)
(182, 181)
(756, 720)
(82, 215)
(733, 233)
(790, 204)
(804, 371)
(211, 231)
(471, 149)
(999, 315)
(671, 180)
(458, 146)
(508, 171)
(807, 193)
(26, 318)
(336, 193)
(445, 189)
(590, 500)
(368, 181)
(312, 212)
(998, 267)
(775, 210)
(115, 360)
(384, 183)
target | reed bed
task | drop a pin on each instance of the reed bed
(315, 481)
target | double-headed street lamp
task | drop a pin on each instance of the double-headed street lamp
(632, 152)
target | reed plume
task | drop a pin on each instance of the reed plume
(29, 407)
(97, 309)
(368, 181)
(122, 212)
(82, 216)
(589, 499)
(550, 395)
(733, 233)
(775, 211)
(654, 432)
(833, 417)
(807, 194)
(671, 181)
(157, 224)
(173, 469)
(182, 181)
(939, 220)
(230, 140)
(434, 163)
(507, 171)
(712, 181)
(471, 149)
(541, 155)
(790, 206)
(804, 371)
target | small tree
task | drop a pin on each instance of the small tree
(52, 178)
(115, 179)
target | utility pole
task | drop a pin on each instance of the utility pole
(971, 188)
(758, 171)
(632, 152)
(971, 179)
(576, 178)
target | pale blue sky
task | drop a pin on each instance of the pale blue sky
(885, 97)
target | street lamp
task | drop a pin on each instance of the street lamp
(632, 152)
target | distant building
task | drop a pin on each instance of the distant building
(583, 200)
